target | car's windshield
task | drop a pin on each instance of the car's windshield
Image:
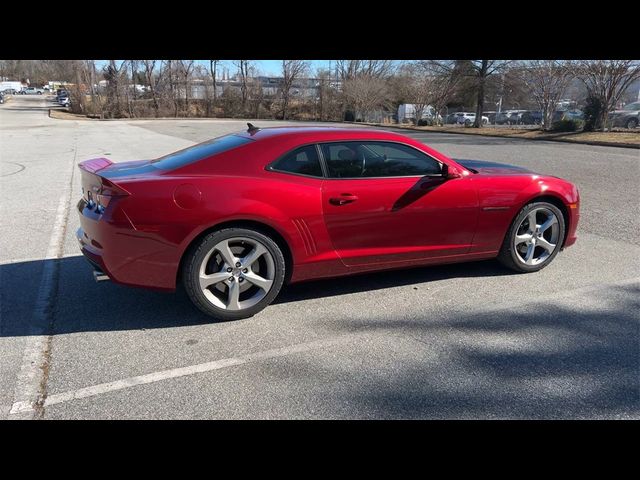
(200, 151)
(632, 106)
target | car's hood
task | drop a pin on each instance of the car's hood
(492, 168)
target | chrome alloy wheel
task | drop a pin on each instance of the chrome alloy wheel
(237, 273)
(537, 236)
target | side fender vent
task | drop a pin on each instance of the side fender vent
(306, 235)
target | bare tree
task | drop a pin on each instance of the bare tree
(327, 96)
(323, 77)
(113, 76)
(243, 73)
(370, 75)
(79, 90)
(366, 94)
(172, 86)
(423, 85)
(131, 87)
(152, 81)
(213, 64)
(350, 69)
(547, 81)
(291, 71)
(413, 86)
(186, 69)
(607, 80)
(479, 71)
(255, 96)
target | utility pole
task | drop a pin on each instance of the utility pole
(495, 120)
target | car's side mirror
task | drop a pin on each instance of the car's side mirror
(449, 173)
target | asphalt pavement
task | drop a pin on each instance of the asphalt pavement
(460, 341)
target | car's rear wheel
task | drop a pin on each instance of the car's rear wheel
(534, 238)
(233, 273)
(632, 123)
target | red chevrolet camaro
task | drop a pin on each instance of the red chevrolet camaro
(236, 217)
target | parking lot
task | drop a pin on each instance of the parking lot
(460, 341)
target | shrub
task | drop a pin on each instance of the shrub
(592, 112)
(566, 125)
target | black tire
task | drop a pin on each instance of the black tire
(509, 257)
(632, 123)
(196, 255)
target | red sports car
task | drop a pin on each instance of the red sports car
(236, 217)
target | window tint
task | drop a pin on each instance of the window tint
(303, 161)
(200, 151)
(376, 159)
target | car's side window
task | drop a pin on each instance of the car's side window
(302, 161)
(376, 159)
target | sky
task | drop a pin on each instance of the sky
(270, 68)
(274, 67)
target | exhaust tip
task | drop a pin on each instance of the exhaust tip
(100, 276)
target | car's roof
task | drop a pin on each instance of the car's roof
(321, 133)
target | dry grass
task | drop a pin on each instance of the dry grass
(65, 115)
(631, 138)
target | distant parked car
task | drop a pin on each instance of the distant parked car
(531, 117)
(501, 118)
(628, 116)
(450, 119)
(31, 91)
(574, 115)
(509, 117)
(491, 116)
(429, 120)
(9, 91)
(559, 115)
(467, 118)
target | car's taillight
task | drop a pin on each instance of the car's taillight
(107, 193)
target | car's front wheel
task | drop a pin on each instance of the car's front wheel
(233, 273)
(534, 238)
(632, 123)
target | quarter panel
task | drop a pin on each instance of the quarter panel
(502, 197)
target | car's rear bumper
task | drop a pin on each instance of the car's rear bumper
(127, 256)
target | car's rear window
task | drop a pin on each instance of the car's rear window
(200, 151)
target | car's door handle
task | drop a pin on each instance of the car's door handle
(343, 199)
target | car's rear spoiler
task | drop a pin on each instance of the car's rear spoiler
(95, 164)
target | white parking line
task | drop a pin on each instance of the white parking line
(34, 358)
(11, 261)
(31, 379)
(25, 406)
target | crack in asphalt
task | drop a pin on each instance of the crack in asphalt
(22, 167)
(53, 299)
